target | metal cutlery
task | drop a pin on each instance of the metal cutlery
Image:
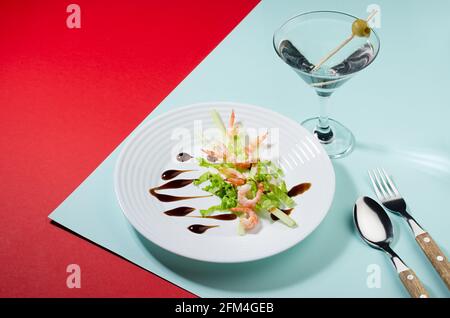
(375, 228)
(390, 197)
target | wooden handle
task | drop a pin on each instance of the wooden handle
(435, 255)
(413, 284)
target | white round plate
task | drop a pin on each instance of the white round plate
(152, 149)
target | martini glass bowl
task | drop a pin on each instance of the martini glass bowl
(303, 41)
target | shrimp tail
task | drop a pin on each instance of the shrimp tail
(251, 218)
(232, 130)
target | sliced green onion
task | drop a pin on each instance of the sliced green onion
(218, 121)
(241, 229)
(286, 219)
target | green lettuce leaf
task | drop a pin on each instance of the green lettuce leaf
(217, 186)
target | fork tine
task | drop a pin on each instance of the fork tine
(377, 192)
(379, 184)
(391, 184)
(383, 178)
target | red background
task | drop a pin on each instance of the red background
(68, 97)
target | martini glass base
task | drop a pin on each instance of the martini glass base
(342, 142)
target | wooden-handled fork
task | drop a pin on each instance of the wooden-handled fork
(390, 197)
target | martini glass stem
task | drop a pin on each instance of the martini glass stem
(323, 130)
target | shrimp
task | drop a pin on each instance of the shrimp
(242, 196)
(236, 181)
(232, 131)
(250, 149)
(212, 155)
(231, 173)
(247, 206)
(243, 165)
(251, 218)
(219, 152)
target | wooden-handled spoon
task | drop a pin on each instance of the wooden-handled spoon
(375, 228)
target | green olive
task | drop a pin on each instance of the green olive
(360, 28)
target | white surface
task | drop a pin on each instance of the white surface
(151, 150)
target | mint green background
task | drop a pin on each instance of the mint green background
(398, 110)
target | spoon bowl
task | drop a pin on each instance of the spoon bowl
(373, 223)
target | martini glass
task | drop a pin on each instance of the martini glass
(302, 42)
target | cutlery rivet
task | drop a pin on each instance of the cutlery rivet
(423, 296)
(410, 277)
(426, 239)
(440, 258)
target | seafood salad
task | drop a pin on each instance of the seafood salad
(246, 185)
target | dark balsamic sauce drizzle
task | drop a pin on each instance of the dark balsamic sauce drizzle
(183, 156)
(180, 211)
(222, 217)
(172, 173)
(288, 211)
(299, 189)
(174, 184)
(185, 210)
(200, 228)
(294, 191)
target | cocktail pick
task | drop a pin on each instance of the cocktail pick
(359, 28)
